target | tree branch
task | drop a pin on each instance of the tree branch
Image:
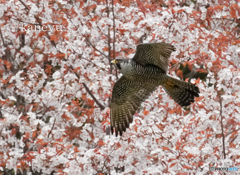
(109, 40)
(52, 127)
(114, 39)
(80, 57)
(24, 5)
(2, 37)
(90, 92)
(223, 136)
(94, 47)
(93, 97)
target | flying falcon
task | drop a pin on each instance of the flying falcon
(142, 75)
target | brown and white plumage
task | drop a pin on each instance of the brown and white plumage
(141, 76)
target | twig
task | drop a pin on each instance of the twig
(93, 97)
(88, 41)
(109, 40)
(40, 23)
(114, 39)
(16, 19)
(90, 92)
(223, 137)
(24, 5)
(52, 127)
(94, 47)
(2, 37)
(104, 165)
(38, 3)
(80, 57)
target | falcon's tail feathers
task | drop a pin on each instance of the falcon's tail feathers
(182, 92)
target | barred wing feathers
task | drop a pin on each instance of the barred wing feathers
(155, 54)
(127, 97)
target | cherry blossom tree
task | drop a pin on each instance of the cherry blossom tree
(56, 83)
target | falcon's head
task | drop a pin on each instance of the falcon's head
(120, 63)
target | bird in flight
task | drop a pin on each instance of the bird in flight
(141, 76)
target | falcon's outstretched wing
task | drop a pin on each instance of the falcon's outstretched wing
(127, 97)
(154, 53)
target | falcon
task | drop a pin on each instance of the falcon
(141, 76)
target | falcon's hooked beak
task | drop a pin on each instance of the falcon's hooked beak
(114, 62)
(117, 62)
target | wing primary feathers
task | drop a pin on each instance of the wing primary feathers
(111, 129)
(116, 130)
(120, 129)
(156, 54)
(123, 107)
